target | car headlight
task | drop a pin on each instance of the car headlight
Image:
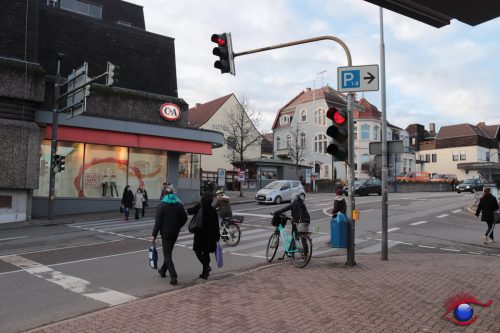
(468, 186)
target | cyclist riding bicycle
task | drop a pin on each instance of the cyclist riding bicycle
(299, 211)
(221, 203)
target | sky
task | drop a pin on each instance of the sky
(446, 76)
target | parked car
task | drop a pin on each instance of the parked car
(279, 191)
(366, 187)
(471, 185)
(415, 176)
(441, 177)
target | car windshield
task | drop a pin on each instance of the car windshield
(438, 175)
(274, 185)
(469, 181)
(359, 182)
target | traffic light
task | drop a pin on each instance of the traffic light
(338, 132)
(56, 160)
(62, 163)
(224, 50)
(112, 76)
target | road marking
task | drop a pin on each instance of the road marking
(427, 247)
(391, 229)
(364, 211)
(325, 204)
(11, 238)
(68, 282)
(441, 216)
(446, 249)
(251, 214)
(475, 252)
(394, 206)
(419, 222)
(457, 211)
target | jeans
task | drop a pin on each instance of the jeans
(113, 186)
(127, 212)
(491, 227)
(104, 188)
(168, 263)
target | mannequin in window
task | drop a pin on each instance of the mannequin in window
(105, 183)
(113, 183)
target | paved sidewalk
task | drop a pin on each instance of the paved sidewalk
(404, 294)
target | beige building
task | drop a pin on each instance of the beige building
(465, 150)
(215, 115)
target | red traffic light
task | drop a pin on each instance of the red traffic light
(336, 116)
(219, 39)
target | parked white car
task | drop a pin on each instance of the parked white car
(279, 191)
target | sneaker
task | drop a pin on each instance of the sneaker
(483, 237)
(491, 240)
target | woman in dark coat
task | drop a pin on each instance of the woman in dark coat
(127, 200)
(487, 205)
(205, 241)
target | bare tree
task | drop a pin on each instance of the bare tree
(373, 169)
(296, 148)
(241, 128)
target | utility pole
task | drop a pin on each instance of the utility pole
(385, 223)
(53, 147)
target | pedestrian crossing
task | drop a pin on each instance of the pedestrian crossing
(253, 242)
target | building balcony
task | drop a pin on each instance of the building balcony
(285, 152)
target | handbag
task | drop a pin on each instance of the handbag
(153, 257)
(218, 255)
(496, 216)
(196, 222)
(122, 210)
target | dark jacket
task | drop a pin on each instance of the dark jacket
(170, 217)
(487, 205)
(207, 238)
(299, 211)
(339, 205)
(224, 206)
(128, 199)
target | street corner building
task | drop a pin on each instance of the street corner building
(134, 132)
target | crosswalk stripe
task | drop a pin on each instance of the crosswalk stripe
(93, 223)
(419, 222)
(441, 216)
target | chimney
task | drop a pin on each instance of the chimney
(432, 128)
(197, 105)
(307, 89)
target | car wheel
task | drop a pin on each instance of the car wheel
(362, 193)
(458, 192)
(473, 191)
(277, 200)
(379, 193)
(302, 196)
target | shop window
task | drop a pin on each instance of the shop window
(147, 167)
(67, 183)
(189, 165)
(105, 171)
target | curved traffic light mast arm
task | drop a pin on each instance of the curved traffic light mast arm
(350, 102)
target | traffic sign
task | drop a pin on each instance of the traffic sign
(393, 147)
(221, 177)
(357, 78)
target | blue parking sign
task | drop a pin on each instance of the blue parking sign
(351, 79)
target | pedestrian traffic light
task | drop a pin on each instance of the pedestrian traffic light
(56, 159)
(338, 132)
(113, 74)
(224, 50)
(62, 163)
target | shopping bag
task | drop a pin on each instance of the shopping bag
(196, 222)
(153, 257)
(122, 209)
(218, 255)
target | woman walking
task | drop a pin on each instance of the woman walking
(205, 241)
(487, 205)
(127, 201)
(138, 202)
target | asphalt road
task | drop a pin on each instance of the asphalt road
(49, 273)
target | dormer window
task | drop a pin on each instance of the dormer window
(285, 120)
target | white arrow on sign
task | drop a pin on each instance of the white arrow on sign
(357, 78)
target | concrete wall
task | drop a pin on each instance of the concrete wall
(18, 210)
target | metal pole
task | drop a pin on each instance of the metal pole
(385, 222)
(351, 205)
(53, 147)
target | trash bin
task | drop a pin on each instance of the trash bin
(339, 231)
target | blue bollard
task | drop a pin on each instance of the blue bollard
(339, 231)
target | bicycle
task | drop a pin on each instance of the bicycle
(297, 245)
(230, 231)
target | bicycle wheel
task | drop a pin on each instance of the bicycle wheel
(302, 251)
(233, 234)
(272, 246)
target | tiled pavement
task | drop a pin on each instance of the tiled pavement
(405, 294)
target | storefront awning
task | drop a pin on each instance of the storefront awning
(111, 138)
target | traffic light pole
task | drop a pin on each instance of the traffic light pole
(53, 147)
(350, 102)
(385, 223)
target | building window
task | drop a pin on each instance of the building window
(455, 155)
(231, 142)
(320, 117)
(82, 7)
(288, 141)
(434, 158)
(327, 171)
(320, 143)
(278, 143)
(375, 133)
(189, 165)
(463, 157)
(365, 162)
(285, 120)
(146, 167)
(303, 115)
(355, 132)
(427, 158)
(303, 139)
(365, 132)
